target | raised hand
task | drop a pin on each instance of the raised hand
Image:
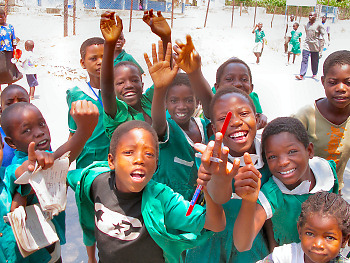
(85, 114)
(161, 72)
(186, 56)
(247, 181)
(109, 28)
(158, 24)
(44, 159)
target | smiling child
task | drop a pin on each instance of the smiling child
(327, 121)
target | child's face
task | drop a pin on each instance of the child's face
(128, 84)
(13, 96)
(135, 160)
(93, 60)
(337, 86)
(181, 103)
(295, 27)
(321, 238)
(29, 126)
(120, 43)
(235, 75)
(260, 25)
(288, 159)
(2, 19)
(240, 134)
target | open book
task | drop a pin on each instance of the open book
(31, 230)
(49, 185)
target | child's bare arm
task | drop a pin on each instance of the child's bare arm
(111, 32)
(216, 176)
(162, 76)
(85, 115)
(251, 216)
(268, 229)
(215, 219)
(91, 250)
(159, 26)
(189, 61)
(18, 201)
(254, 28)
(261, 120)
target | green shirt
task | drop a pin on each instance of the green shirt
(259, 35)
(177, 166)
(128, 113)
(284, 206)
(163, 211)
(97, 146)
(123, 56)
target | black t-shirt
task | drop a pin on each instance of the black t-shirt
(120, 231)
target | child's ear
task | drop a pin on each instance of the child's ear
(82, 63)
(216, 86)
(252, 88)
(299, 230)
(322, 80)
(9, 141)
(111, 161)
(310, 150)
(213, 127)
(345, 241)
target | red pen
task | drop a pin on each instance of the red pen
(199, 187)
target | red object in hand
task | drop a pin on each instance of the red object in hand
(17, 53)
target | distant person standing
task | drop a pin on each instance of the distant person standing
(8, 71)
(326, 39)
(259, 41)
(29, 65)
(287, 34)
(313, 32)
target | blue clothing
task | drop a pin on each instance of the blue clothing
(8, 152)
(7, 37)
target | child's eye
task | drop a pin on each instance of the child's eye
(189, 101)
(309, 234)
(26, 130)
(42, 124)
(245, 113)
(244, 80)
(150, 154)
(330, 238)
(292, 151)
(93, 59)
(120, 83)
(271, 157)
(135, 80)
(127, 152)
(173, 101)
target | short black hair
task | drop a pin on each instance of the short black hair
(128, 126)
(285, 124)
(8, 113)
(296, 23)
(229, 90)
(232, 60)
(180, 79)
(327, 204)
(29, 44)
(12, 87)
(89, 42)
(340, 57)
(127, 64)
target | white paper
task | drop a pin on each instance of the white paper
(49, 185)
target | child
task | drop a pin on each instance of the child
(135, 218)
(9, 72)
(259, 41)
(11, 94)
(295, 176)
(29, 63)
(294, 43)
(239, 138)
(327, 121)
(324, 229)
(96, 148)
(27, 132)
(125, 80)
(121, 55)
(178, 133)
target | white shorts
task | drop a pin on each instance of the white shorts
(257, 47)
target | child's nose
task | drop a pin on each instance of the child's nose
(235, 120)
(237, 84)
(138, 158)
(318, 243)
(283, 160)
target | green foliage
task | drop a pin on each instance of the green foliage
(338, 3)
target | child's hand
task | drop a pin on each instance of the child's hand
(261, 121)
(186, 56)
(158, 24)
(109, 28)
(247, 181)
(161, 72)
(18, 201)
(44, 159)
(85, 114)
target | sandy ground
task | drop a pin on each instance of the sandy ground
(280, 94)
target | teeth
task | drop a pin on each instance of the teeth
(288, 172)
(42, 142)
(129, 94)
(238, 134)
(181, 114)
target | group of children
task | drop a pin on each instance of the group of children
(141, 155)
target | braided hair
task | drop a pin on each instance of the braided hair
(330, 204)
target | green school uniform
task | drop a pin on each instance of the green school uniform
(254, 96)
(163, 212)
(177, 166)
(294, 41)
(128, 113)
(123, 56)
(97, 146)
(259, 35)
(220, 247)
(284, 206)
